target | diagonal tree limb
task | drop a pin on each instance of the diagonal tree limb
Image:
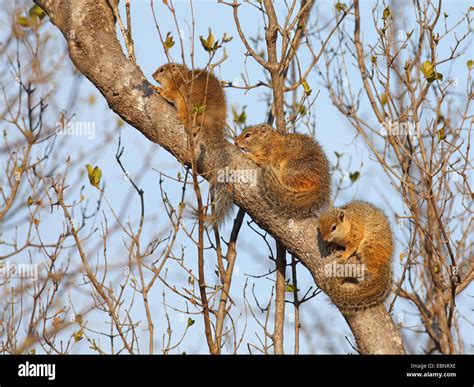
(89, 29)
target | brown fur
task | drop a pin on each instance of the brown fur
(294, 170)
(364, 232)
(198, 97)
(200, 102)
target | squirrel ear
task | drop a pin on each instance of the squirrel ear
(263, 129)
(341, 216)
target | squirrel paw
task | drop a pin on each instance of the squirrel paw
(158, 89)
(163, 93)
(345, 256)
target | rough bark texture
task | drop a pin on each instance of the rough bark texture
(89, 29)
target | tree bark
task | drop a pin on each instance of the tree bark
(88, 27)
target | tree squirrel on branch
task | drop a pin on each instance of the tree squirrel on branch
(295, 179)
(201, 106)
(364, 232)
(199, 99)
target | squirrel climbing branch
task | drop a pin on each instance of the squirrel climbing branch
(88, 27)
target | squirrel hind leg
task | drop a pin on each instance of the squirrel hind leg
(273, 190)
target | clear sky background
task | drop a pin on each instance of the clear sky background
(324, 329)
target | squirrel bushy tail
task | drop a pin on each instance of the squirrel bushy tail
(221, 198)
(201, 106)
(220, 191)
(371, 291)
(222, 203)
(292, 203)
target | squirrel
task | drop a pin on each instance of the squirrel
(295, 181)
(364, 232)
(201, 106)
(199, 99)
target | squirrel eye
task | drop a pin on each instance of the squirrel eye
(333, 228)
(247, 135)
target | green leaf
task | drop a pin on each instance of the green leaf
(470, 63)
(441, 134)
(239, 118)
(383, 98)
(190, 321)
(94, 174)
(30, 201)
(290, 288)
(435, 77)
(204, 43)
(429, 72)
(199, 109)
(78, 335)
(37, 11)
(427, 69)
(354, 176)
(387, 13)
(306, 87)
(32, 18)
(23, 21)
(169, 41)
(209, 44)
(302, 110)
(340, 7)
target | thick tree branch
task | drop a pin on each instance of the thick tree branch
(88, 26)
